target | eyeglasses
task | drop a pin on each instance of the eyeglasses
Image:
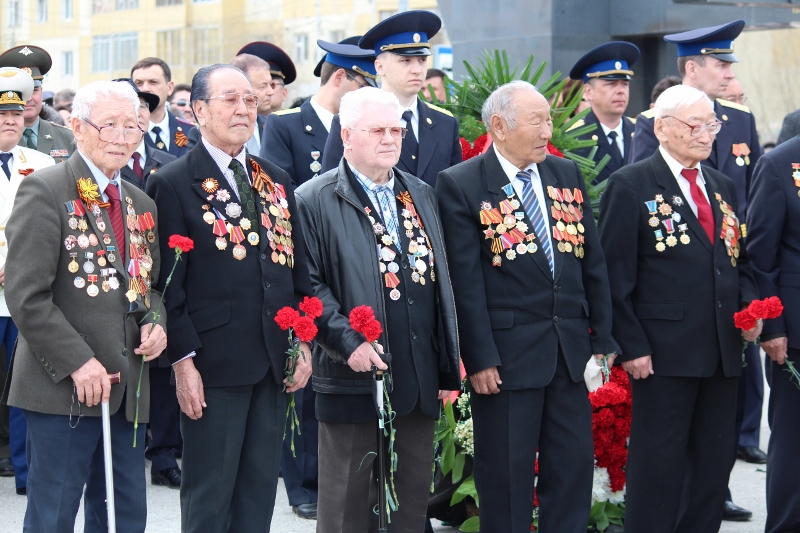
(353, 78)
(109, 134)
(180, 103)
(698, 130)
(232, 99)
(396, 131)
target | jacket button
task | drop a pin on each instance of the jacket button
(410, 301)
(125, 352)
(555, 288)
(263, 256)
(719, 304)
(405, 264)
(267, 312)
(267, 284)
(555, 319)
(413, 335)
(719, 272)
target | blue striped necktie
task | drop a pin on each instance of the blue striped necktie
(532, 207)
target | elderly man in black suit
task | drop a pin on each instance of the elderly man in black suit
(678, 274)
(366, 206)
(227, 351)
(773, 244)
(533, 305)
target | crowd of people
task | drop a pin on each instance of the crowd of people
(358, 196)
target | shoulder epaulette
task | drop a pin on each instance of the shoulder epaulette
(578, 124)
(632, 119)
(734, 105)
(287, 111)
(649, 113)
(440, 109)
(59, 126)
(185, 122)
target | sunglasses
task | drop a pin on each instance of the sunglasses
(181, 103)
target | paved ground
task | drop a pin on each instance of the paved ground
(747, 484)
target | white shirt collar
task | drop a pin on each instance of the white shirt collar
(325, 116)
(509, 168)
(607, 130)
(223, 160)
(164, 125)
(675, 167)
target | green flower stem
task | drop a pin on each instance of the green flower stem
(138, 393)
(793, 371)
(293, 420)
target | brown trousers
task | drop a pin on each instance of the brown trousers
(348, 483)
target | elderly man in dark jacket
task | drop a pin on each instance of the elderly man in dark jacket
(348, 214)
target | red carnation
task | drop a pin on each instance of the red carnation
(372, 331)
(286, 317)
(361, 316)
(184, 244)
(552, 150)
(311, 306)
(304, 328)
(774, 307)
(758, 308)
(744, 320)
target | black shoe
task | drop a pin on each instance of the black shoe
(22, 491)
(734, 513)
(306, 510)
(6, 468)
(752, 454)
(169, 477)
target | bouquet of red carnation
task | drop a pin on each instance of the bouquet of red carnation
(748, 317)
(301, 329)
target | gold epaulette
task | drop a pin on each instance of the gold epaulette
(440, 109)
(56, 124)
(734, 105)
(649, 113)
(632, 119)
(287, 111)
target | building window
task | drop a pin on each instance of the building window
(169, 47)
(67, 68)
(41, 11)
(160, 3)
(66, 9)
(386, 14)
(205, 46)
(114, 52)
(123, 5)
(13, 14)
(301, 47)
(102, 6)
(337, 36)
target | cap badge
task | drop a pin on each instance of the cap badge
(416, 37)
(8, 73)
(27, 70)
(10, 95)
(618, 65)
(26, 51)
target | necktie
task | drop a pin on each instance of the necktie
(385, 196)
(137, 166)
(532, 207)
(410, 145)
(30, 138)
(245, 190)
(616, 155)
(5, 158)
(704, 214)
(115, 214)
(159, 141)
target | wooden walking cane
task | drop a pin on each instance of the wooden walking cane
(377, 393)
(109, 469)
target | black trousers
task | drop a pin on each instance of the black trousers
(783, 469)
(509, 427)
(348, 481)
(682, 440)
(231, 458)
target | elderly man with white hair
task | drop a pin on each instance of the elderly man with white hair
(533, 307)
(374, 238)
(679, 271)
(78, 277)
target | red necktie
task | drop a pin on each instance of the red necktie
(704, 214)
(115, 214)
(137, 166)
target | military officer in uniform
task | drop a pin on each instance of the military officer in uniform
(705, 56)
(42, 135)
(606, 74)
(295, 138)
(16, 87)
(402, 48)
(280, 67)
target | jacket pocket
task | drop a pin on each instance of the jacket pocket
(211, 317)
(659, 311)
(501, 318)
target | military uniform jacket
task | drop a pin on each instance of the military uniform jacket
(738, 133)
(178, 142)
(439, 147)
(220, 307)
(61, 326)
(773, 241)
(54, 140)
(294, 139)
(518, 316)
(604, 145)
(677, 304)
(154, 159)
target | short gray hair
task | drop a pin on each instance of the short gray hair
(679, 97)
(351, 108)
(501, 103)
(89, 95)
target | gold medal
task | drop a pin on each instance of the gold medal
(273, 211)
(101, 261)
(560, 225)
(501, 228)
(497, 260)
(209, 217)
(239, 252)
(511, 255)
(580, 227)
(685, 239)
(221, 243)
(660, 246)
(672, 241)
(73, 266)
(282, 259)
(567, 247)
(131, 295)
(106, 286)
(653, 222)
(274, 257)
(561, 247)
(253, 238)
(733, 261)
(245, 224)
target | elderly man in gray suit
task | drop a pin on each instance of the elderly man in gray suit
(78, 286)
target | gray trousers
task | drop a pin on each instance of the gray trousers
(231, 458)
(348, 483)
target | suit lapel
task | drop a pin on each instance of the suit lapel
(628, 128)
(670, 189)
(207, 168)
(427, 139)
(45, 141)
(313, 127)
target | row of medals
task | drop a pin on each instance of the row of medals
(796, 176)
(658, 205)
(510, 220)
(563, 210)
(729, 233)
(418, 250)
(280, 234)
